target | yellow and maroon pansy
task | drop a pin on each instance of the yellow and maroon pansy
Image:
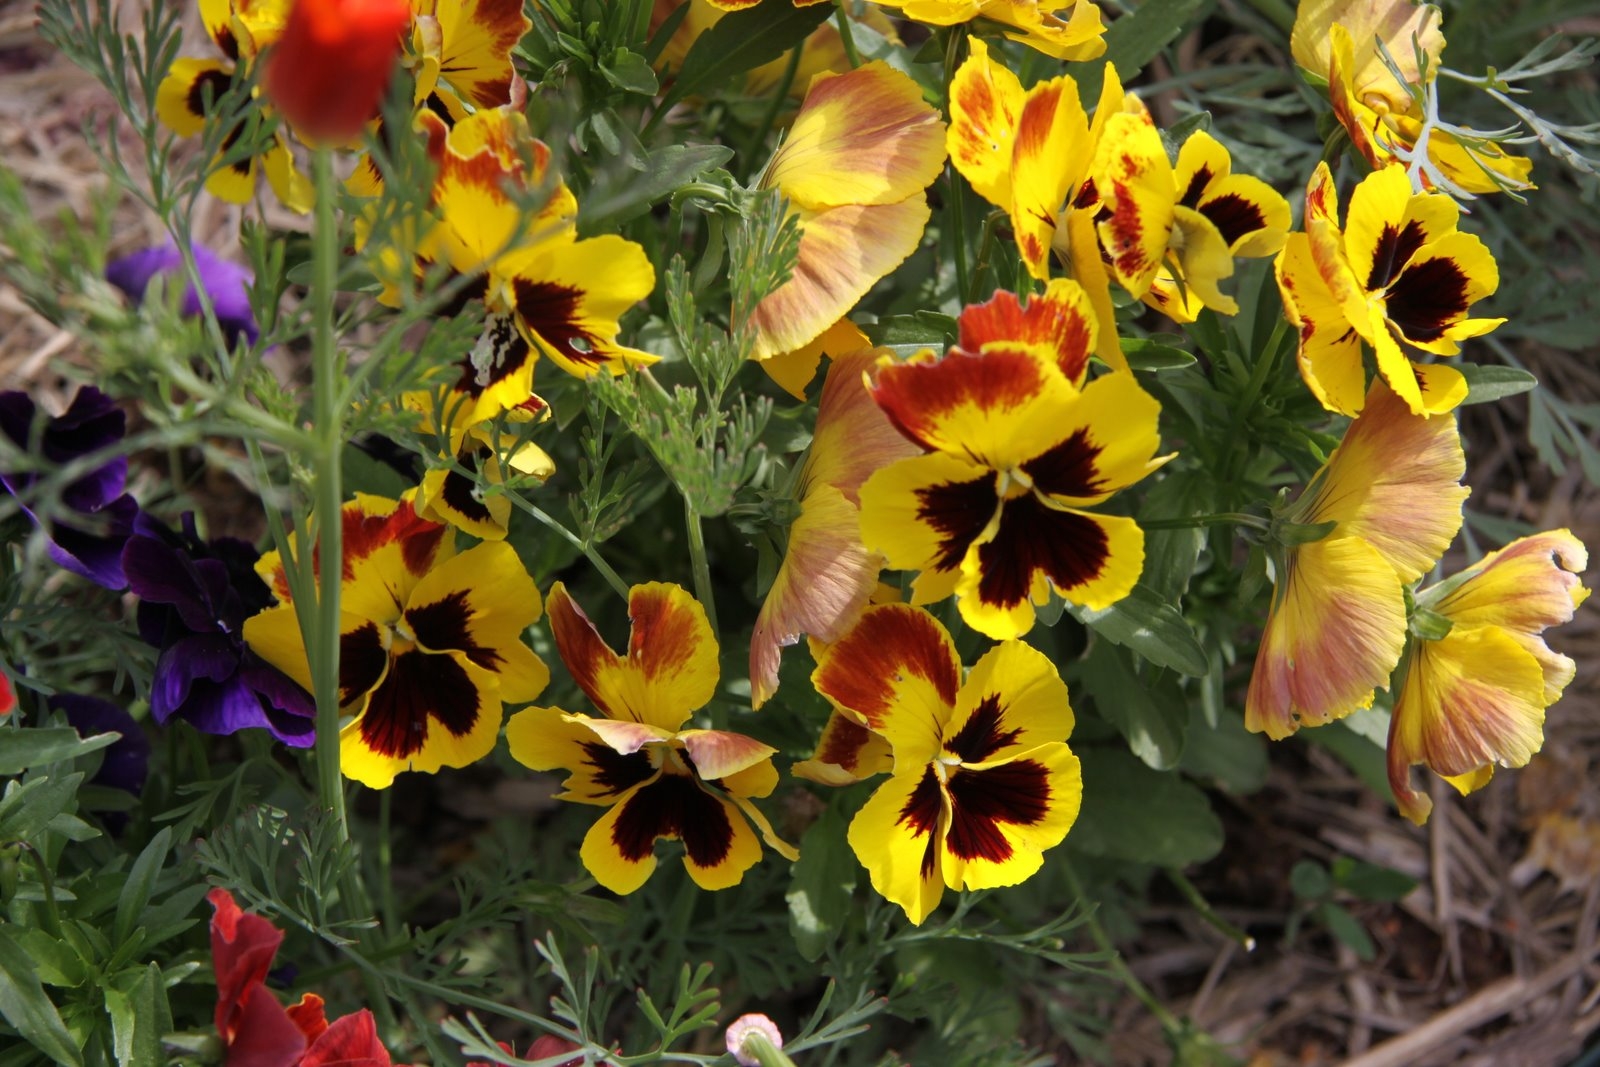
(1036, 23)
(658, 780)
(1337, 625)
(853, 168)
(981, 779)
(1476, 696)
(996, 510)
(452, 493)
(430, 642)
(1398, 274)
(827, 574)
(240, 29)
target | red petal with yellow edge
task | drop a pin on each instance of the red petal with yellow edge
(477, 38)
(821, 586)
(897, 670)
(853, 438)
(429, 711)
(671, 666)
(985, 101)
(927, 512)
(1106, 441)
(1060, 322)
(719, 846)
(386, 547)
(1335, 632)
(793, 371)
(866, 137)
(844, 252)
(1049, 161)
(1004, 815)
(1472, 699)
(998, 409)
(566, 298)
(897, 836)
(1395, 482)
(1092, 560)
(720, 753)
(1135, 179)
(847, 752)
(545, 739)
(1013, 701)
(1330, 349)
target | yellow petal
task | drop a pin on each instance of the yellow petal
(1049, 161)
(847, 752)
(429, 711)
(925, 513)
(566, 298)
(1105, 441)
(1135, 179)
(1005, 814)
(1013, 701)
(547, 739)
(793, 371)
(985, 99)
(896, 836)
(1330, 349)
(853, 438)
(1318, 23)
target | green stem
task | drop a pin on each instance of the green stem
(1203, 906)
(1118, 967)
(702, 566)
(846, 36)
(327, 426)
(985, 246)
(1226, 518)
(52, 910)
(592, 554)
(1266, 361)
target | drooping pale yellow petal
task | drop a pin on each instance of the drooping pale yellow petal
(793, 371)
(1334, 635)
(866, 137)
(1472, 699)
(1202, 258)
(853, 437)
(985, 101)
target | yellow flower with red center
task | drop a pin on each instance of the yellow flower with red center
(1029, 154)
(1171, 233)
(827, 574)
(1337, 625)
(1018, 450)
(982, 781)
(1398, 274)
(548, 291)
(241, 29)
(657, 779)
(1036, 23)
(853, 168)
(1476, 696)
(430, 643)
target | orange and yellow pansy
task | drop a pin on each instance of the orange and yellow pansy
(658, 779)
(827, 574)
(853, 169)
(982, 781)
(1018, 449)
(430, 644)
(1337, 625)
(241, 30)
(1036, 23)
(1476, 695)
(1398, 275)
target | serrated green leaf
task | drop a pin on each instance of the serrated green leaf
(141, 882)
(27, 748)
(1487, 382)
(1131, 812)
(1147, 624)
(1154, 722)
(821, 883)
(629, 72)
(743, 41)
(25, 1006)
(27, 808)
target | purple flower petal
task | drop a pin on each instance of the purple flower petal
(126, 763)
(227, 284)
(210, 657)
(96, 554)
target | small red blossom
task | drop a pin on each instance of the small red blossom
(330, 68)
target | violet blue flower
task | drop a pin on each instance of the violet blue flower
(96, 516)
(126, 763)
(194, 598)
(226, 283)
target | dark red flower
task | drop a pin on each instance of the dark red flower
(329, 70)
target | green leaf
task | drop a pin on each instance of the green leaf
(24, 1005)
(927, 329)
(1227, 754)
(1147, 624)
(1348, 929)
(1143, 354)
(1491, 381)
(1131, 812)
(25, 809)
(821, 882)
(36, 747)
(139, 1018)
(743, 41)
(629, 72)
(1355, 748)
(620, 196)
(1134, 40)
(54, 961)
(1309, 880)
(141, 882)
(1153, 722)
(1370, 881)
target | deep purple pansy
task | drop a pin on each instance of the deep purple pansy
(225, 282)
(126, 762)
(194, 596)
(95, 516)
